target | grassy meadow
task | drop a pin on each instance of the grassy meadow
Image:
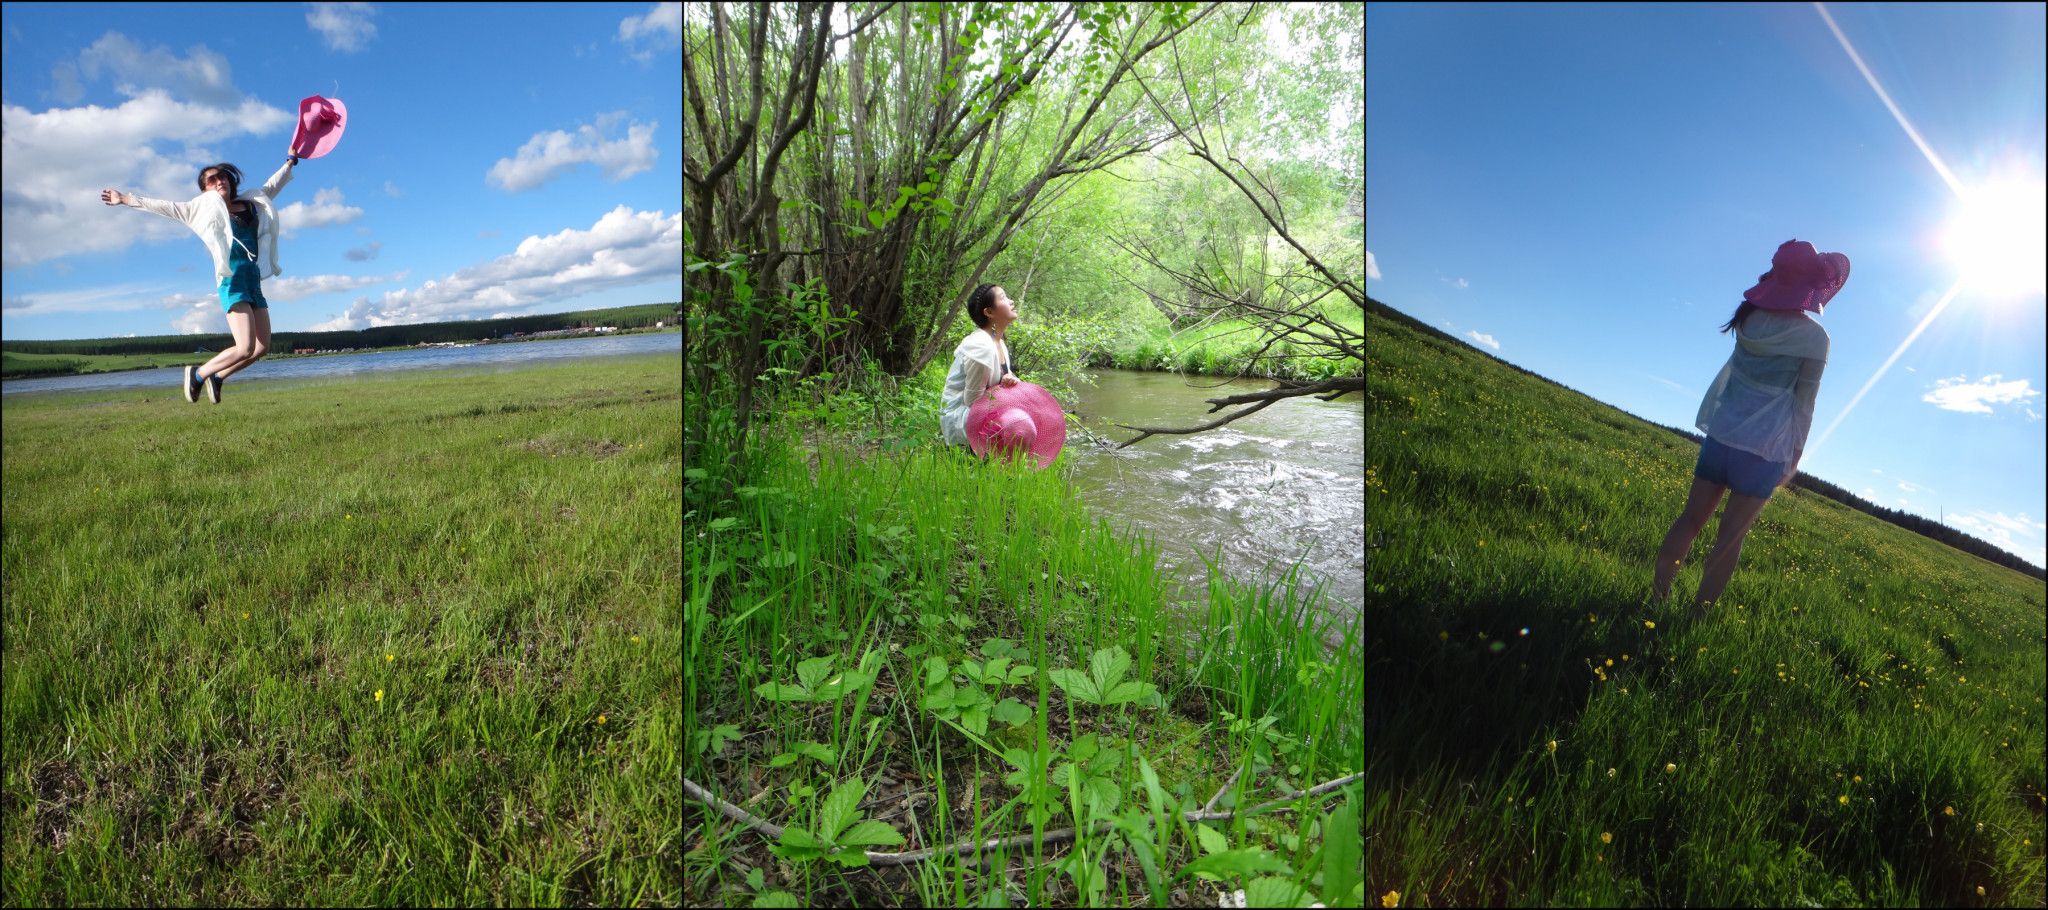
(405, 639)
(1859, 721)
(908, 650)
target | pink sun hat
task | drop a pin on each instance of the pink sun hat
(321, 121)
(1018, 418)
(1801, 278)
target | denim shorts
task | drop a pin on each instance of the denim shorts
(1745, 473)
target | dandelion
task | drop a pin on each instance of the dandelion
(1980, 890)
(388, 658)
(1670, 768)
(1649, 624)
(1553, 747)
(380, 694)
(600, 720)
(1859, 778)
(1610, 661)
(1606, 838)
(636, 639)
(245, 614)
(1392, 899)
(1843, 799)
(1948, 810)
(1610, 772)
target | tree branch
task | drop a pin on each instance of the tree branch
(1286, 389)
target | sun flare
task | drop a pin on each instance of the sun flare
(1997, 238)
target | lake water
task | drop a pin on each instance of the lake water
(507, 354)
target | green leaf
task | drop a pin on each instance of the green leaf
(875, 218)
(1130, 691)
(925, 187)
(1075, 684)
(1267, 891)
(1342, 864)
(993, 672)
(1012, 712)
(934, 671)
(1211, 840)
(819, 751)
(849, 858)
(940, 698)
(775, 691)
(797, 838)
(870, 832)
(1108, 666)
(812, 672)
(1237, 863)
(840, 809)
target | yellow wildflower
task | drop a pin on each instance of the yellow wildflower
(1948, 810)
(1843, 799)
(1649, 624)
(1670, 768)
(1610, 772)
(1553, 747)
(1392, 899)
(380, 694)
(1606, 838)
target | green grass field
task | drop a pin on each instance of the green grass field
(1860, 721)
(408, 639)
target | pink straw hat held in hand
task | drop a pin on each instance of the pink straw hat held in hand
(1801, 278)
(1018, 418)
(321, 121)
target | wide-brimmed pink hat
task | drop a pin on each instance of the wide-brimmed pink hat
(321, 121)
(1018, 418)
(1801, 278)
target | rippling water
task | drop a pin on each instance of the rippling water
(1286, 482)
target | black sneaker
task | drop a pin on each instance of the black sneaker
(191, 388)
(213, 389)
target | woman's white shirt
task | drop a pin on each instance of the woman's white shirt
(207, 216)
(1762, 400)
(975, 364)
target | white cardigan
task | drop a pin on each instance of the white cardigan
(975, 362)
(1762, 401)
(207, 216)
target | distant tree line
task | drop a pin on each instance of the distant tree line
(630, 317)
(1932, 530)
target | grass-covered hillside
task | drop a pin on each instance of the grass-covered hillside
(1860, 721)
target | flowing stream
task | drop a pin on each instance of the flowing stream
(1287, 482)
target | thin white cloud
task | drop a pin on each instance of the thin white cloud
(659, 30)
(1372, 267)
(202, 75)
(2019, 534)
(200, 313)
(1960, 394)
(1458, 283)
(1484, 339)
(1911, 487)
(327, 208)
(624, 248)
(546, 155)
(342, 26)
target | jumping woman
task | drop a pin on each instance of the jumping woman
(1757, 412)
(240, 231)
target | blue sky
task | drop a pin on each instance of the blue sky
(498, 159)
(1586, 190)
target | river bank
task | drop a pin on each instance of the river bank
(46, 366)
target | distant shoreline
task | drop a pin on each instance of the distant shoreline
(182, 358)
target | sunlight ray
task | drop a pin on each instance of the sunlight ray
(1874, 377)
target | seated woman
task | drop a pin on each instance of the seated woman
(981, 358)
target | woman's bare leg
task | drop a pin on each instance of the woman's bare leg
(258, 340)
(1736, 521)
(245, 341)
(1699, 506)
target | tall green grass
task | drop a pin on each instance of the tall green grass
(1859, 721)
(900, 651)
(405, 639)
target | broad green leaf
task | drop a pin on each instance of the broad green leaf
(1130, 691)
(1075, 684)
(934, 670)
(1012, 712)
(939, 698)
(812, 672)
(925, 187)
(849, 858)
(1342, 869)
(1212, 841)
(818, 751)
(975, 718)
(801, 839)
(1267, 891)
(1237, 863)
(870, 832)
(1108, 666)
(994, 671)
(775, 691)
(876, 218)
(776, 899)
(839, 808)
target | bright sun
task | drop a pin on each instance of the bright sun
(1997, 238)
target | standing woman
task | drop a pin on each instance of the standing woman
(1757, 412)
(241, 233)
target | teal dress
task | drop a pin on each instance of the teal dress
(242, 284)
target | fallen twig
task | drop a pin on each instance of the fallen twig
(774, 832)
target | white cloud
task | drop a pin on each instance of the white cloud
(661, 29)
(202, 75)
(1959, 394)
(548, 154)
(201, 313)
(2019, 534)
(1484, 339)
(624, 248)
(1458, 283)
(1372, 267)
(1911, 487)
(342, 26)
(391, 189)
(56, 163)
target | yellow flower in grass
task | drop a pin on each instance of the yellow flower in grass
(1553, 747)
(1610, 772)
(1392, 899)
(1606, 838)
(1948, 810)
(636, 639)
(380, 695)
(1649, 624)
(600, 719)
(1843, 799)
(1670, 768)
(388, 658)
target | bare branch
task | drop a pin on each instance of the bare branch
(1334, 388)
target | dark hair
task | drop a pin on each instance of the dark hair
(982, 298)
(234, 175)
(1742, 312)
